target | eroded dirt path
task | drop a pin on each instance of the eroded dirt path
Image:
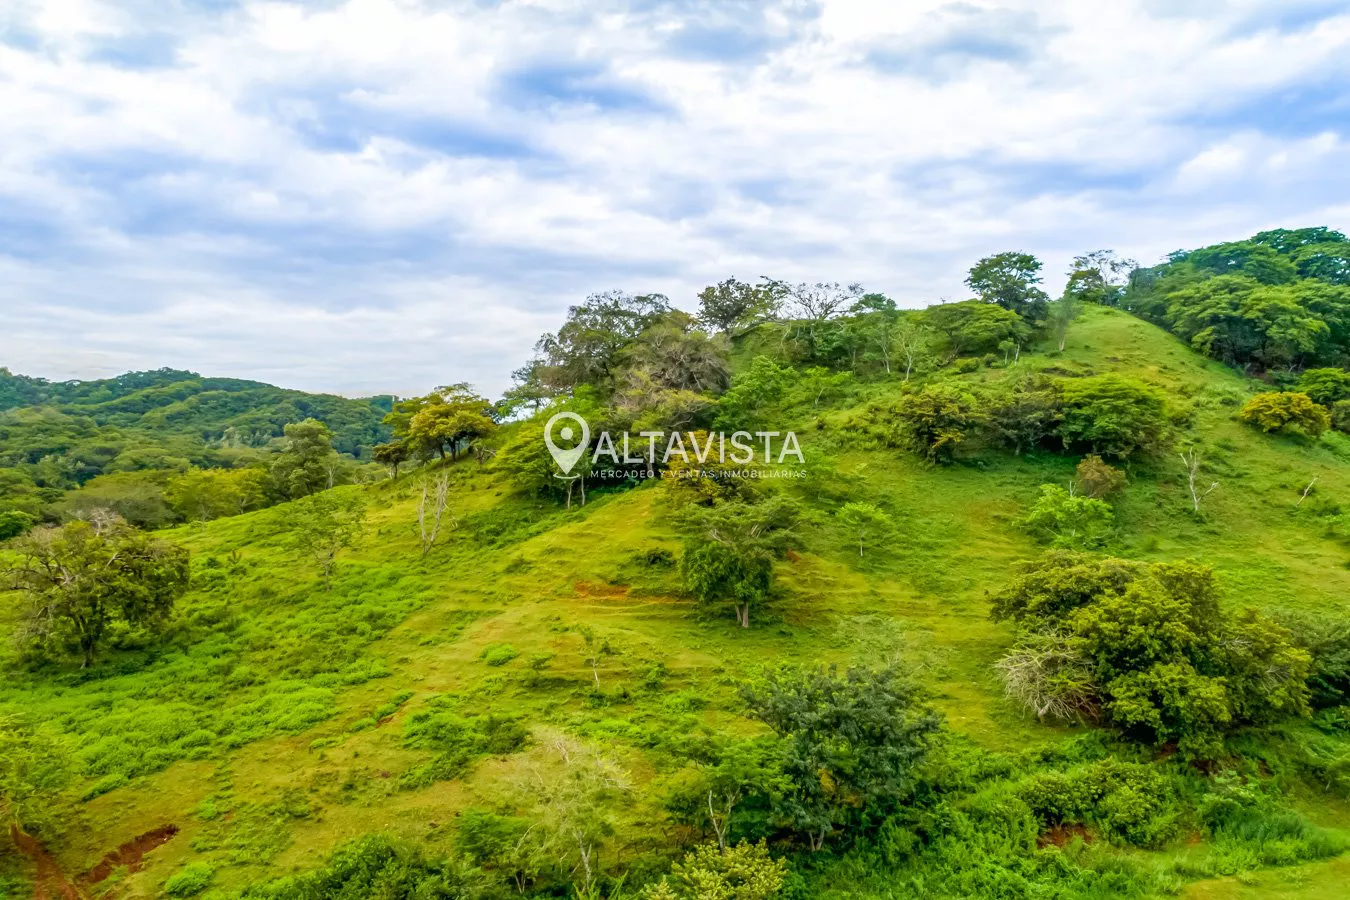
(51, 882)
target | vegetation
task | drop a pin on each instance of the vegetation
(1034, 653)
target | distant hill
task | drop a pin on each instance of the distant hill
(177, 402)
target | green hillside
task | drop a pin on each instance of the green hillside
(429, 698)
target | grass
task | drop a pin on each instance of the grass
(271, 727)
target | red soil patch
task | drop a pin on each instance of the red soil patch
(51, 882)
(131, 854)
(1060, 835)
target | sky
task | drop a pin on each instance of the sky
(381, 196)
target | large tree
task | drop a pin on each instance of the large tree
(730, 551)
(85, 581)
(734, 307)
(307, 462)
(1010, 280)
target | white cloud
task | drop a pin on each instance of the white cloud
(391, 194)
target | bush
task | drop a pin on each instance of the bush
(498, 654)
(1277, 410)
(14, 523)
(1064, 520)
(1131, 803)
(1113, 416)
(1325, 386)
(190, 880)
(937, 418)
(1098, 480)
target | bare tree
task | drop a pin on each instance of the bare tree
(573, 800)
(911, 340)
(1191, 460)
(1047, 675)
(430, 529)
(1306, 491)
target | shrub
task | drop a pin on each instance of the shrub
(1113, 416)
(1276, 410)
(190, 880)
(1024, 412)
(937, 418)
(1096, 479)
(744, 872)
(1131, 803)
(14, 523)
(1325, 386)
(1064, 520)
(498, 654)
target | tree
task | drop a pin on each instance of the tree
(873, 321)
(1064, 520)
(1276, 410)
(325, 525)
(429, 530)
(730, 550)
(754, 389)
(1239, 320)
(735, 307)
(1009, 280)
(852, 743)
(448, 419)
(911, 342)
(972, 328)
(391, 455)
(1047, 674)
(1163, 664)
(1113, 416)
(1062, 314)
(205, 494)
(676, 356)
(14, 523)
(573, 802)
(1325, 386)
(938, 418)
(35, 766)
(815, 305)
(1191, 460)
(83, 582)
(508, 845)
(1022, 411)
(731, 793)
(743, 872)
(307, 462)
(1098, 277)
(864, 519)
(586, 349)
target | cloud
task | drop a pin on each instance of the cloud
(384, 195)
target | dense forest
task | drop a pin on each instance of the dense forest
(1053, 605)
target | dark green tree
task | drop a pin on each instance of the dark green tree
(1010, 280)
(852, 743)
(85, 581)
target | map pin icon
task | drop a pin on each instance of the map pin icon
(566, 459)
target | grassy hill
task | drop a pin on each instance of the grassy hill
(279, 720)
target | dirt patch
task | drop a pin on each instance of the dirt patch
(1061, 835)
(131, 854)
(592, 589)
(50, 882)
